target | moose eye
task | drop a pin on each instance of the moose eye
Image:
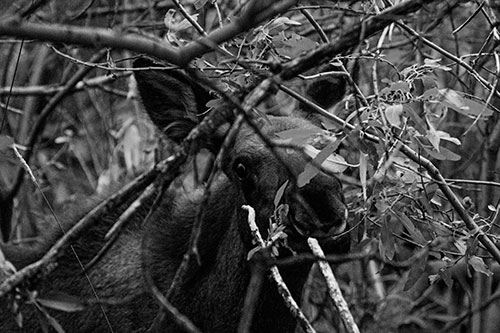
(241, 171)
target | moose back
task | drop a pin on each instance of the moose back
(212, 296)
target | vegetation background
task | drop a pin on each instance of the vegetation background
(417, 129)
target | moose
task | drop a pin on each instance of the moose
(213, 294)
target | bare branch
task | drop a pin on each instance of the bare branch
(98, 37)
(334, 288)
(276, 276)
(47, 90)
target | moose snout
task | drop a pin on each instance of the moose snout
(319, 210)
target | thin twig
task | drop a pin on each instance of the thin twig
(47, 90)
(334, 288)
(276, 276)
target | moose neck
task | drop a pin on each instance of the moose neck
(214, 292)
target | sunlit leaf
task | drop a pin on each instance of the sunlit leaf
(363, 171)
(447, 137)
(479, 266)
(332, 163)
(132, 149)
(61, 301)
(461, 245)
(432, 135)
(433, 278)
(393, 114)
(434, 63)
(298, 136)
(282, 23)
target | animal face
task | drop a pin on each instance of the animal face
(176, 104)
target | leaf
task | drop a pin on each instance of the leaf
(198, 4)
(132, 149)
(393, 114)
(6, 142)
(417, 268)
(447, 137)
(457, 101)
(476, 108)
(298, 136)
(446, 154)
(432, 136)
(172, 25)
(443, 154)
(430, 94)
(414, 233)
(452, 99)
(55, 324)
(279, 193)
(282, 23)
(400, 86)
(461, 245)
(479, 265)
(185, 24)
(45, 319)
(363, 171)
(311, 170)
(434, 63)
(386, 245)
(419, 123)
(294, 45)
(433, 278)
(61, 301)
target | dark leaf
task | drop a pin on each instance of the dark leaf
(415, 234)
(6, 142)
(417, 268)
(386, 245)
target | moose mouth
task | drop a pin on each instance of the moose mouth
(321, 230)
(332, 232)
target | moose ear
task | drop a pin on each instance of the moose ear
(325, 91)
(171, 98)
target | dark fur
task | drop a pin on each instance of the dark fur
(213, 295)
